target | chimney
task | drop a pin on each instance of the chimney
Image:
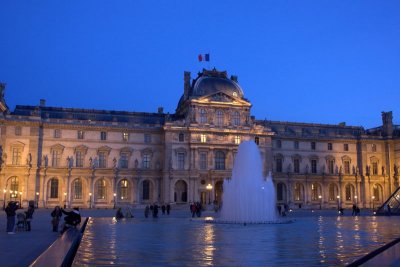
(186, 85)
(160, 110)
(42, 102)
(234, 78)
(387, 123)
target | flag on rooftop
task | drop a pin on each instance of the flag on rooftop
(205, 57)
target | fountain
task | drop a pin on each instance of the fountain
(248, 196)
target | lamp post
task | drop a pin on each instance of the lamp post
(4, 198)
(37, 200)
(355, 197)
(65, 200)
(338, 202)
(115, 196)
(90, 200)
(20, 199)
(320, 202)
(209, 187)
(373, 203)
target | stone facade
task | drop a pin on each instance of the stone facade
(97, 158)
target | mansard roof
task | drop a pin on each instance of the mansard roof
(90, 114)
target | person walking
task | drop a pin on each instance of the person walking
(56, 215)
(10, 211)
(29, 215)
(168, 208)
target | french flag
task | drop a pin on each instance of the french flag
(205, 57)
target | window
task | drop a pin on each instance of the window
(203, 161)
(16, 156)
(181, 161)
(296, 144)
(102, 159)
(329, 146)
(219, 118)
(203, 138)
(298, 196)
(374, 168)
(280, 192)
(81, 134)
(78, 189)
(373, 148)
(332, 192)
(17, 130)
(79, 159)
(296, 163)
(313, 166)
(331, 166)
(146, 190)
(125, 136)
(146, 161)
(57, 133)
(376, 192)
(203, 116)
(236, 118)
(124, 189)
(101, 189)
(14, 186)
(278, 143)
(237, 139)
(54, 188)
(220, 160)
(124, 160)
(349, 190)
(181, 137)
(103, 136)
(314, 192)
(257, 140)
(55, 158)
(278, 165)
(346, 147)
(312, 145)
(147, 138)
(346, 167)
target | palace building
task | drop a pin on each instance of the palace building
(99, 159)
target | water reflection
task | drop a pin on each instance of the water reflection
(181, 242)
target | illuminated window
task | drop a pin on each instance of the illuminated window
(125, 136)
(101, 189)
(237, 139)
(203, 138)
(78, 189)
(124, 189)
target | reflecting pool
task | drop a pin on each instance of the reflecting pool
(308, 241)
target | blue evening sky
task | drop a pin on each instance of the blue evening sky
(317, 61)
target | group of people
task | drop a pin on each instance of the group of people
(195, 209)
(356, 210)
(11, 212)
(153, 209)
(72, 218)
(120, 214)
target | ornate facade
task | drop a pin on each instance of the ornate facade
(97, 158)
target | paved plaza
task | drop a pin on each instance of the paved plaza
(23, 248)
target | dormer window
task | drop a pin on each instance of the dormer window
(219, 117)
(234, 94)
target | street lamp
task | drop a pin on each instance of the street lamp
(338, 202)
(209, 187)
(115, 195)
(20, 199)
(37, 200)
(355, 197)
(320, 202)
(65, 200)
(90, 200)
(4, 199)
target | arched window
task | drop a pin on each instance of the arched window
(123, 187)
(146, 190)
(219, 118)
(203, 116)
(236, 118)
(333, 192)
(349, 192)
(315, 191)
(298, 192)
(101, 189)
(220, 160)
(77, 189)
(53, 188)
(281, 192)
(14, 185)
(377, 192)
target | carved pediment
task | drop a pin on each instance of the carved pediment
(81, 148)
(57, 147)
(147, 151)
(180, 150)
(106, 149)
(17, 144)
(126, 150)
(346, 158)
(329, 158)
